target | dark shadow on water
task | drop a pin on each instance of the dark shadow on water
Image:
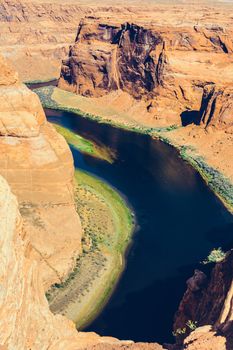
(143, 309)
(216, 235)
(190, 117)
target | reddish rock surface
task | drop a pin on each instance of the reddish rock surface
(37, 163)
(134, 346)
(217, 107)
(107, 57)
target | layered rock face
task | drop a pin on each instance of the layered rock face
(208, 301)
(106, 58)
(38, 165)
(43, 31)
(26, 322)
(217, 107)
(46, 28)
(166, 67)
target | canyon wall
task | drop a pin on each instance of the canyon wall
(36, 35)
(167, 67)
(106, 58)
(208, 301)
(217, 107)
(37, 163)
(25, 322)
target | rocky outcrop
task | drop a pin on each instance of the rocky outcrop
(106, 58)
(166, 67)
(38, 164)
(21, 114)
(205, 338)
(25, 321)
(208, 301)
(217, 107)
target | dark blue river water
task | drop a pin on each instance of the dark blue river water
(179, 220)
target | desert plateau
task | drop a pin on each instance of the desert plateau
(116, 175)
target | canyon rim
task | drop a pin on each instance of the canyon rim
(161, 68)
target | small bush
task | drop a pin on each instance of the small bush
(179, 331)
(216, 255)
(192, 325)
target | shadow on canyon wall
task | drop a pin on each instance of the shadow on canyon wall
(190, 117)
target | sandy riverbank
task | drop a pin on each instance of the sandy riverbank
(108, 225)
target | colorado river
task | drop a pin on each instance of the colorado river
(179, 221)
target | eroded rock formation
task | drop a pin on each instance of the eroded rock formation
(38, 165)
(208, 301)
(106, 58)
(217, 107)
(25, 321)
(167, 67)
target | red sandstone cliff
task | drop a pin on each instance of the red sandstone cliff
(208, 301)
(165, 67)
(38, 165)
(217, 107)
(107, 57)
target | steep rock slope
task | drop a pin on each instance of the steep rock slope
(217, 107)
(26, 322)
(208, 301)
(106, 58)
(166, 67)
(36, 34)
(38, 164)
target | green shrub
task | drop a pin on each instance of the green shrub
(179, 331)
(216, 255)
(191, 325)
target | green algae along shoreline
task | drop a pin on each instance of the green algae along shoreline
(86, 146)
(217, 182)
(108, 225)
